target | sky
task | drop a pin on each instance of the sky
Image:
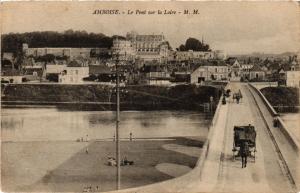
(235, 27)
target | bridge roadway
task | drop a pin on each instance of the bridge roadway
(220, 173)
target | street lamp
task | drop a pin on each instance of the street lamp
(118, 174)
(117, 136)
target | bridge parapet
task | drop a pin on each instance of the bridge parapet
(205, 148)
(260, 85)
(274, 114)
(269, 106)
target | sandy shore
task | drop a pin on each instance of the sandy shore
(66, 167)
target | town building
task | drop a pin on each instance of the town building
(8, 56)
(181, 77)
(53, 71)
(71, 53)
(33, 73)
(236, 71)
(154, 75)
(292, 75)
(293, 78)
(150, 47)
(74, 73)
(12, 76)
(220, 55)
(192, 55)
(7, 61)
(245, 71)
(257, 73)
(124, 48)
(142, 47)
(209, 72)
(100, 73)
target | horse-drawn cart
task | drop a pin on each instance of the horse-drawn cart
(243, 134)
(237, 96)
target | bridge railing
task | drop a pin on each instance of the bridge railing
(269, 106)
(205, 148)
(281, 125)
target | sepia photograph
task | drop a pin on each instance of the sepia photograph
(150, 96)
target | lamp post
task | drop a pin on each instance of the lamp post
(117, 136)
(118, 174)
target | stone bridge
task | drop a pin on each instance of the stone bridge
(275, 169)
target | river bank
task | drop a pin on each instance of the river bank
(283, 99)
(66, 167)
(102, 97)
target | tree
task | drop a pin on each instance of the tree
(182, 48)
(194, 44)
(12, 42)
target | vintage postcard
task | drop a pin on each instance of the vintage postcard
(152, 96)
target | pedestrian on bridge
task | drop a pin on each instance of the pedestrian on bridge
(244, 150)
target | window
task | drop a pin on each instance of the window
(216, 69)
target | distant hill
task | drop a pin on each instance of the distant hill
(263, 55)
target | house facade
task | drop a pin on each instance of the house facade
(154, 75)
(245, 70)
(142, 47)
(192, 55)
(257, 73)
(236, 71)
(66, 51)
(73, 75)
(124, 48)
(209, 73)
(293, 78)
(55, 69)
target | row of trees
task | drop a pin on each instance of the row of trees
(12, 42)
(194, 44)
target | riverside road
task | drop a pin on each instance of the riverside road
(276, 168)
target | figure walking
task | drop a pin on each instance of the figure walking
(130, 136)
(244, 153)
(237, 99)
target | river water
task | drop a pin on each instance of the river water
(51, 124)
(292, 121)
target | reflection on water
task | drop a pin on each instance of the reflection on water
(39, 124)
